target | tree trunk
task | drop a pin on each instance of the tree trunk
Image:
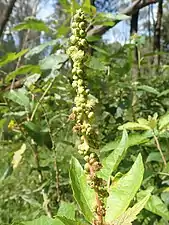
(157, 32)
(7, 16)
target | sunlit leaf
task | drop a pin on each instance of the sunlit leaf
(134, 126)
(124, 190)
(83, 194)
(111, 162)
(131, 214)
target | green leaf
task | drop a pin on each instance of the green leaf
(43, 220)
(22, 71)
(38, 49)
(124, 190)
(31, 79)
(133, 139)
(38, 134)
(32, 23)
(83, 194)
(148, 89)
(54, 61)
(154, 156)
(134, 126)
(11, 57)
(108, 19)
(67, 210)
(95, 63)
(19, 97)
(111, 162)
(66, 221)
(131, 214)
(163, 93)
(163, 121)
(155, 205)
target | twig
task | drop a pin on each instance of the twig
(159, 148)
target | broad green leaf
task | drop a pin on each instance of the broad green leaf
(131, 214)
(9, 57)
(134, 126)
(66, 221)
(22, 71)
(83, 194)
(66, 209)
(124, 190)
(32, 23)
(18, 156)
(148, 89)
(163, 121)
(19, 97)
(38, 49)
(155, 205)
(133, 139)
(111, 162)
(95, 63)
(54, 61)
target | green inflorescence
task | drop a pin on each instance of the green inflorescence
(83, 112)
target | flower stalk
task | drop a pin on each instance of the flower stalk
(83, 112)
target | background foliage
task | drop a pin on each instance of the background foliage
(129, 80)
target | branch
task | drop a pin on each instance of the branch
(129, 11)
(7, 16)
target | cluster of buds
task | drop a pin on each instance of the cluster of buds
(82, 112)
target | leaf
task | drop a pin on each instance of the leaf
(108, 19)
(18, 156)
(131, 214)
(163, 93)
(67, 209)
(121, 193)
(19, 97)
(11, 56)
(31, 79)
(148, 89)
(155, 205)
(22, 71)
(38, 134)
(163, 121)
(111, 162)
(83, 194)
(154, 156)
(134, 126)
(38, 49)
(66, 221)
(43, 220)
(95, 63)
(53, 61)
(133, 139)
(32, 23)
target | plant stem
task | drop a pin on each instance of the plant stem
(159, 148)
